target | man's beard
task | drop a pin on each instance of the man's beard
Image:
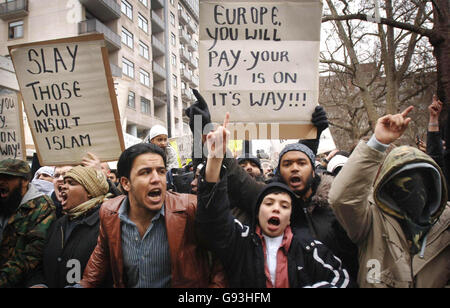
(9, 205)
(308, 184)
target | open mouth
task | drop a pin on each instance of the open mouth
(155, 193)
(295, 180)
(4, 192)
(64, 198)
(275, 221)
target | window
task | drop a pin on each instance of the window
(172, 19)
(144, 2)
(173, 39)
(127, 68)
(173, 60)
(144, 77)
(16, 29)
(174, 79)
(143, 23)
(127, 38)
(131, 100)
(143, 50)
(145, 105)
(127, 9)
(172, 2)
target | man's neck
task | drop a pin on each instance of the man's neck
(141, 216)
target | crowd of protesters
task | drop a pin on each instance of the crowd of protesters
(377, 216)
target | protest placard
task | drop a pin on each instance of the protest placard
(259, 60)
(12, 140)
(69, 99)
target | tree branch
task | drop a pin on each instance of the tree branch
(396, 24)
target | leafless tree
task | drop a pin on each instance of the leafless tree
(380, 66)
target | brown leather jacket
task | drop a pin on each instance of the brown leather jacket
(191, 267)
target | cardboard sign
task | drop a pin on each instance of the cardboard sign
(12, 141)
(69, 99)
(259, 60)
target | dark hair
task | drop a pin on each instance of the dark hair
(128, 156)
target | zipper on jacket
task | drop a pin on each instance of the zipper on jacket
(310, 223)
(62, 237)
(412, 272)
(424, 243)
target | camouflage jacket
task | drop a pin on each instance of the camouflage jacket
(23, 238)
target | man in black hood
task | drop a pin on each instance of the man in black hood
(268, 253)
(252, 165)
(296, 170)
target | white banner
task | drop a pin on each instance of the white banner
(259, 60)
(69, 99)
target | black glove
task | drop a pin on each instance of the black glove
(319, 120)
(198, 108)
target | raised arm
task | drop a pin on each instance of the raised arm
(350, 190)
(217, 228)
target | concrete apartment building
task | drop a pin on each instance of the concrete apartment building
(152, 44)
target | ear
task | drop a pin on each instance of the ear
(24, 186)
(125, 183)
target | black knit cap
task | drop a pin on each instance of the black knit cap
(275, 187)
(249, 157)
(299, 148)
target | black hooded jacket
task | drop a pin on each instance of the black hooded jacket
(319, 219)
(239, 247)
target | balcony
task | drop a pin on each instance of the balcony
(159, 101)
(182, 17)
(193, 62)
(186, 94)
(115, 70)
(184, 37)
(159, 93)
(159, 72)
(157, 23)
(194, 81)
(184, 54)
(186, 75)
(157, 4)
(158, 47)
(191, 27)
(113, 40)
(13, 9)
(191, 45)
(104, 10)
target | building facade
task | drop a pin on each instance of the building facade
(152, 44)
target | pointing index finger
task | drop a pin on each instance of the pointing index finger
(227, 120)
(407, 110)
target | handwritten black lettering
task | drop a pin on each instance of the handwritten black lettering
(222, 34)
(8, 137)
(68, 142)
(224, 58)
(11, 150)
(54, 91)
(61, 60)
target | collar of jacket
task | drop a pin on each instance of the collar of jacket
(281, 281)
(320, 198)
(90, 219)
(178, 207)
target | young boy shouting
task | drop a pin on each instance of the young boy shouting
(268, 253)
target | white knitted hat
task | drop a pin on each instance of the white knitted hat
(156, 131)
